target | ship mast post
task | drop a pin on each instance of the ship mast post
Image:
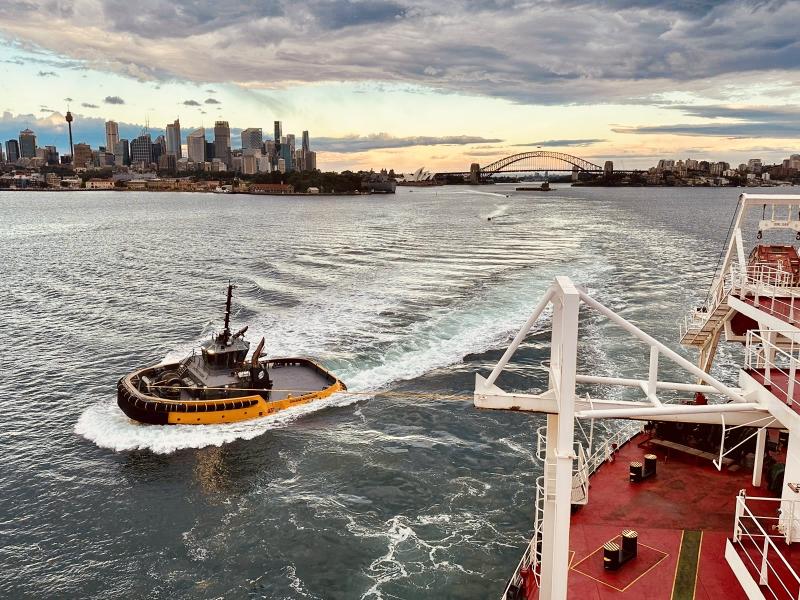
(560, 452)
(226, 334)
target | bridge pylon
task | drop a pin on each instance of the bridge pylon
(474, 173)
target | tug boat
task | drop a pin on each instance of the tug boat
(690, 491)
(221, 385)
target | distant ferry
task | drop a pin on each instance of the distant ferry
(221, 384)
(545, 187)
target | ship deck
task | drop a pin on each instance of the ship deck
(683, 516)
(787, 309)
(778, 385)
(296, 380)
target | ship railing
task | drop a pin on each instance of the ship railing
(721, 288)
(756, 279)
(757, 536)
(532, 557)
(777, 362)
(585, 465)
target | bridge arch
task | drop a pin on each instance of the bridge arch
(539, 160)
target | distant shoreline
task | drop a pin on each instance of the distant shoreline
(122, 190)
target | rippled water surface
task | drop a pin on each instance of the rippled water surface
(395, 494)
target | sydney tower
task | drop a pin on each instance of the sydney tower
(69, 124)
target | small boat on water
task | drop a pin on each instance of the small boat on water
(220, 384)
(545, 187)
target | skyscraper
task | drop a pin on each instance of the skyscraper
(252, 138)
(112, 135)
(285, 155)
(159, 148)
(222, 142)
(174, 139)
(289, 155)
(196, 145)
(12, 151)
(306, 144)
(27, 143)
(142, 150)
(51, 155)
(277, 138)
(122, 156)
(82, 155)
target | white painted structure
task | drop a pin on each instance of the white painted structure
(565, 462)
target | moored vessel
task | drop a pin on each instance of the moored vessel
(220, 384)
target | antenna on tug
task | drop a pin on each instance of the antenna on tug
(226, 334)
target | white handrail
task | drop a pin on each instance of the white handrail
(760, 549)
(755, 279)
(586, 466)
(764, 355)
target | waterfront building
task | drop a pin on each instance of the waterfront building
(249, 164)
(306, 143)
(82, 155)
(196, 145)
(12, 151)
(142, 150)
(27, 144)
(281, 165)
(718, 168)
(252, 138)
(222, 141)
(665, 164)
(122, 156)
(2, 156)
(174, 139)
(754, 165)
(112, 135)
(100, 184)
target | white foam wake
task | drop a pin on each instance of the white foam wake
(105, 424)
(440, 341)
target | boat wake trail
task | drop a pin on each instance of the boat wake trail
(438, 342)
(500, 211)
(105, 425)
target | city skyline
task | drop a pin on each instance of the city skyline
(708, 80)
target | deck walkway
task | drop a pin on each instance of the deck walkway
(686, 503)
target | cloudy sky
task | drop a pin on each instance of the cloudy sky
(406, 83)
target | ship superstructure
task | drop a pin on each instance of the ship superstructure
(696, 493)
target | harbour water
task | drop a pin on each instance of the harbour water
(394, 492)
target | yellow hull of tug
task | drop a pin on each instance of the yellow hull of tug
(262, 409)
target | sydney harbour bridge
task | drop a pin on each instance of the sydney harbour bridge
(537, 161)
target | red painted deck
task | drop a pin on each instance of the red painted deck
(779, 385)
(785, 309)
(687, 494)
